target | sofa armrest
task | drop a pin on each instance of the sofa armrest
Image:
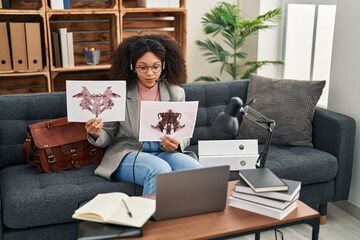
(335, 133)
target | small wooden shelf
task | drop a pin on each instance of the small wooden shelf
(24, 83)
(101, 24)
(87, 5)
(25, 5)
(58, 82)
(98, 30)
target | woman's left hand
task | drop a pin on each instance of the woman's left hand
(169, 143)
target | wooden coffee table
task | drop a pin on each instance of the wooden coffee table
(231, 222)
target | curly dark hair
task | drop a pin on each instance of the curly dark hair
(132, 48)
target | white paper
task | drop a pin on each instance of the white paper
(101, 99)
(154, 123)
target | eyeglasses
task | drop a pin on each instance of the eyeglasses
(155, 68)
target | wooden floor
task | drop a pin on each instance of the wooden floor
(340, 226)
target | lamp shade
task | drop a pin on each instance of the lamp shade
(227, 121)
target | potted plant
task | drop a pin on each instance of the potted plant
(225, 20)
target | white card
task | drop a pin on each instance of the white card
(158, 118)
(100, 99)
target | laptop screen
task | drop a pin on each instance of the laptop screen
(191, 192)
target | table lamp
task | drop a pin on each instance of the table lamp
(227, 122)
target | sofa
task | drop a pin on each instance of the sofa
(40, 205)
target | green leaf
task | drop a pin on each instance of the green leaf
(207, 79)
(225, 21)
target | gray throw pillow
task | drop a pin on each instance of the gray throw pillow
(291, 103)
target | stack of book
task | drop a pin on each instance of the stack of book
(63, 48)
(261, 191)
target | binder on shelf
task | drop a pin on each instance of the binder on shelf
(5, 59)
(66, 4)
(56, 49)
(6, 4)
(70, 45)
(18, 46)
(1, 6)
(56, 4)
(64, 47)
(33, 46)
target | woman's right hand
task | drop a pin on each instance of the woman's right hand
(93, 126)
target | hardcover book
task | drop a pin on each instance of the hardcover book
(70, 45)
(262, 209)
(56, 49)
(63, 47)
(117, 208)
(262, 180)
(279, 204)
(289, 195)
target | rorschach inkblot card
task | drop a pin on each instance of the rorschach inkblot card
(95, 99)
(160, 118)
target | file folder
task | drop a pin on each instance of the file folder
(18, 46)
(33, 46)
(5, 59)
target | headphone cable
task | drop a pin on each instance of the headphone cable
(133, 167)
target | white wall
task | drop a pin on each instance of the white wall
(344, 88)
(263, 46)
(196, 63)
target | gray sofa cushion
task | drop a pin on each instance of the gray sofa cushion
(305, 164)
(31, 199)
(291, 103)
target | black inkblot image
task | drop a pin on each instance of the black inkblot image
(169, 121)
(96, 102)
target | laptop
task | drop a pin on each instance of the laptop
(191, 192)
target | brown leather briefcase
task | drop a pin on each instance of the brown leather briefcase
(59, 145)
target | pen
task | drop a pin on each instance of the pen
(127, 209)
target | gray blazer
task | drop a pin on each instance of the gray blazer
(124, 136)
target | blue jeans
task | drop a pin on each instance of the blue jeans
(150, 162)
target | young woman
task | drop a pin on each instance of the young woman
(153, 67)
